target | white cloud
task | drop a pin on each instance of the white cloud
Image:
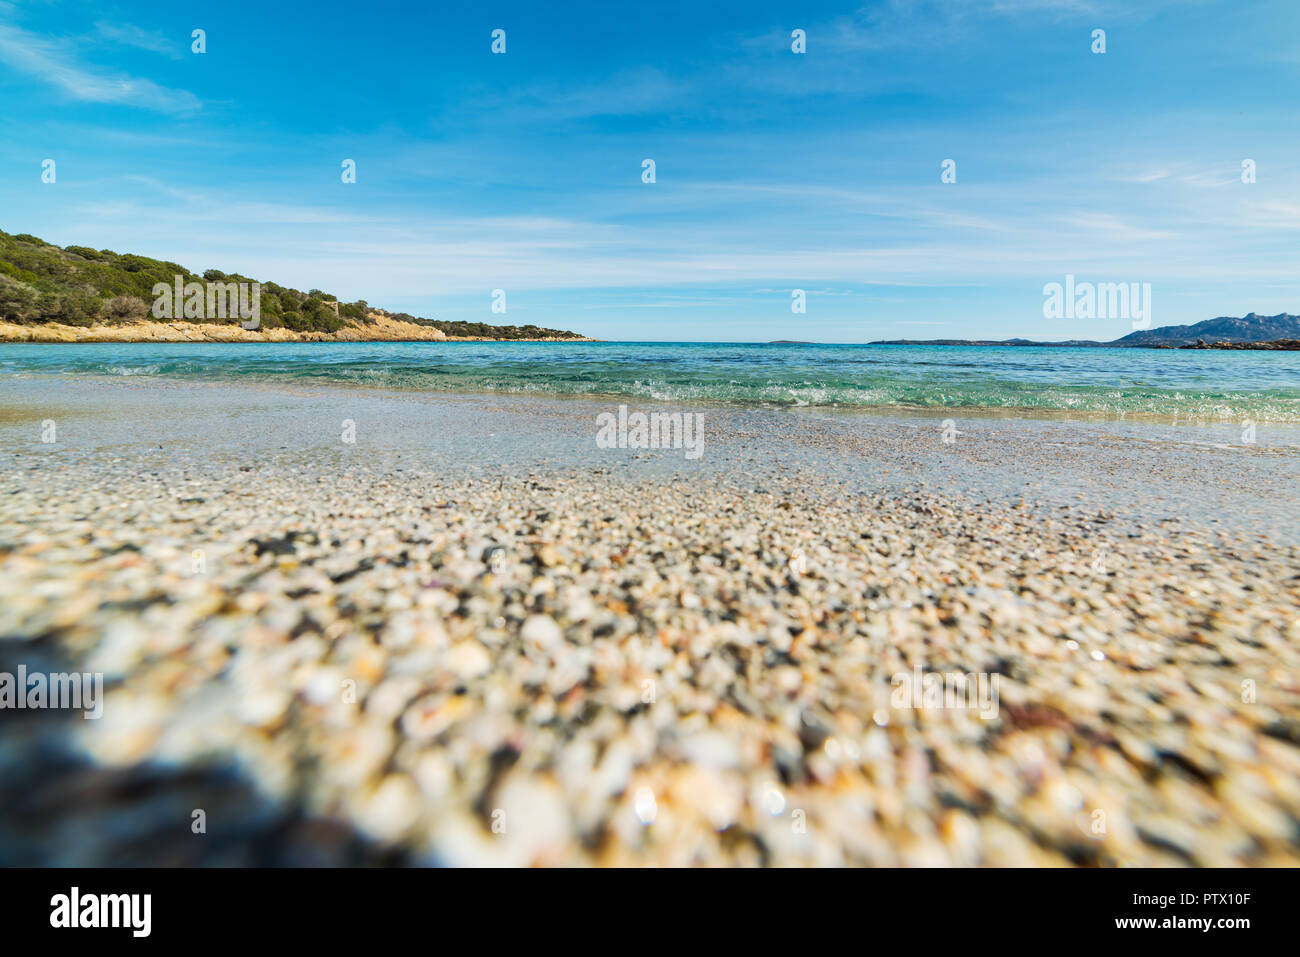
(53, 62)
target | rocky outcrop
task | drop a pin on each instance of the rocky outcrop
(380, 329)
(1285, 345)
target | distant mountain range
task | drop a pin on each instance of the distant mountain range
(1249, 328)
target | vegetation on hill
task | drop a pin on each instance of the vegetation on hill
(79, 286)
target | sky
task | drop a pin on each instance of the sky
(774, 170)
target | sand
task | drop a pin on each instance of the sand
(470, 637)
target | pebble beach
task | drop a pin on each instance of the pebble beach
(367, 655)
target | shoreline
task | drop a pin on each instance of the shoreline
(383, 329)
(1142, 470)
(1065, 414)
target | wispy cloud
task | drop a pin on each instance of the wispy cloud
(126, 34)
(906, 24)
(1151, 177)
(626, 93)
(1113, 227)
(53, 61)
(1272, 215)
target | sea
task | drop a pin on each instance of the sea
(1162, 384)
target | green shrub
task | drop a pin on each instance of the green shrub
(43, 283)
(78, 309)
(17, 300)
(122, 309)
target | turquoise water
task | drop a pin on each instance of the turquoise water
(1263, 386)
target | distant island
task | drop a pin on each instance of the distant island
(1252, 331)
(78, 294)
(1276, 345)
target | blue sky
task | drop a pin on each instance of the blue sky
(774, 170)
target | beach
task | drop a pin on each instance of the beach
(352, 623)
(382, 328)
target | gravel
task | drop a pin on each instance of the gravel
(384, 665)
